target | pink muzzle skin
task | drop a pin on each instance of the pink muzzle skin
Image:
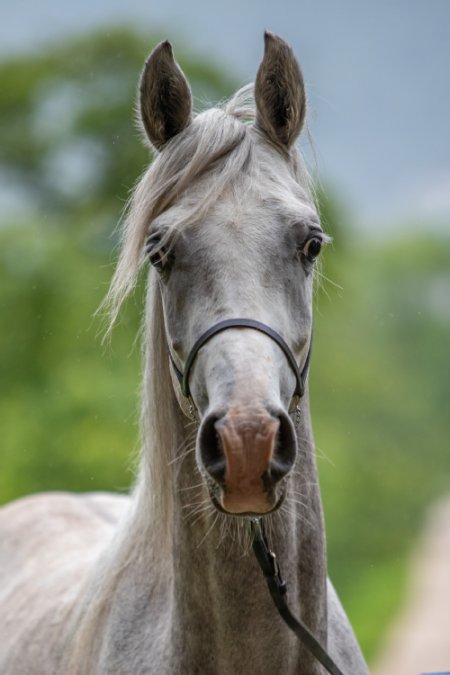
(248, 443)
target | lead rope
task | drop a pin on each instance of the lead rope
(277, 586)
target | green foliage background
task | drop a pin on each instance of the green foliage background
(69, 407)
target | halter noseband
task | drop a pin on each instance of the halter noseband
(300, 375)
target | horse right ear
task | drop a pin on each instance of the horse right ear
(279, 93)
(165, 100)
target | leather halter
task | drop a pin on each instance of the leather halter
(300, 375)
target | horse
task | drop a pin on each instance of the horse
(164, 581)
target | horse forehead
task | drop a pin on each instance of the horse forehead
(260, 223)
(234, 236)
(263, 200)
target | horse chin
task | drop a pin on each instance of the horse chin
(246, 508)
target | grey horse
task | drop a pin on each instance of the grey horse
(164, 581)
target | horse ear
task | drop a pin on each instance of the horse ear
(165, 99)
(279, 93)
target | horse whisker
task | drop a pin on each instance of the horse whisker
(209, 530)
(179, 458)
(191, 487)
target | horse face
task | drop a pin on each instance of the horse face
(252, 256)
(249, 253)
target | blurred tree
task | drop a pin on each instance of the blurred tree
(69, 143)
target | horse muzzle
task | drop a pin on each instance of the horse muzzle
(246, 454)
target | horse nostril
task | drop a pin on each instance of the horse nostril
(211, 450)
(285, 451)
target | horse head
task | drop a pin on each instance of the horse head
(236, 236)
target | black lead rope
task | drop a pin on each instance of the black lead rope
(277, 586)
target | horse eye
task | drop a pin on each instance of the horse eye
(158, 260)
(158, 256)
(312, 248)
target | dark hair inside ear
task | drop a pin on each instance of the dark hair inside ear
(280, 93)
(165, 97)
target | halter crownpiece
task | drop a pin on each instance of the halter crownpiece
(300, 375)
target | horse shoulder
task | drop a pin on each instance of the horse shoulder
(49, 544)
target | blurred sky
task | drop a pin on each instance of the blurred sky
(377, 73)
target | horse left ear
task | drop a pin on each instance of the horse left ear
(279, 93)
(165, 99)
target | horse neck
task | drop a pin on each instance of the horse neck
(221, 606)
